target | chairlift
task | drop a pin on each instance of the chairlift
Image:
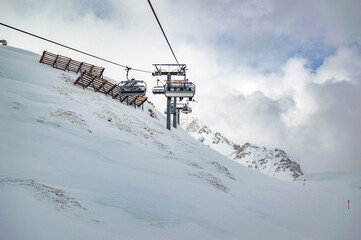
(158, 89)
(186, 109)
(132, 87)
(180, 89)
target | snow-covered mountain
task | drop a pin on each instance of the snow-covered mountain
(215, 140)
(271, 162)
(274, 162)
(76, 164)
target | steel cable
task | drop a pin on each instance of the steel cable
(161, 28)
(74, 49)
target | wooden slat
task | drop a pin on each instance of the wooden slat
(48, 58)
(74, 66)
(61, 62)
(110, 90)
(101, 86)
(97, 83)
(85, 67)
(141, 101)
(135, 97)
(97, 71)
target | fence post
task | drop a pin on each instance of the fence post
(81, 64)
(91, 70)
(55, 63)
(42, 56)
(67, 65)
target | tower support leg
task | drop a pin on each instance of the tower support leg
(178, 117)
(168, 112)
(175, 112)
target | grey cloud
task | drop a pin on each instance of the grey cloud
(266, 33)
(336, 126)
(104, 9)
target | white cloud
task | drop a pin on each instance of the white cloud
(345, 65)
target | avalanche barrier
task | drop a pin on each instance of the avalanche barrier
(91, 75)
(108, 88)
(68, 64)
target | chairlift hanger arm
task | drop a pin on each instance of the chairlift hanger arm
(160, 82)
(131, 80)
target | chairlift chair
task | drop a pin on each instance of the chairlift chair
(158, 89)
(180, 89)
(132, 87)
(127, 90)
(186, 109)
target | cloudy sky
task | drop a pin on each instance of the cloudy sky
(275, 73)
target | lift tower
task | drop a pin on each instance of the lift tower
(174, 87)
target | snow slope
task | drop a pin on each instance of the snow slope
(78, 165)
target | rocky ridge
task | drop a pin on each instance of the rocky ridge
(274, 162)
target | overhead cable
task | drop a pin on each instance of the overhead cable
(74, 49)
(161, 28)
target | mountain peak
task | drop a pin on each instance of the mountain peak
(274, 162)
(198, 130)
(270, 162)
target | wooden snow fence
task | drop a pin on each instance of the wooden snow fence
(90, 75)
(108, 88)
(68, 64)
